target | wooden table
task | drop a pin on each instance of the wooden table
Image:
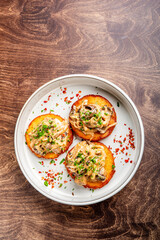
(44, 39)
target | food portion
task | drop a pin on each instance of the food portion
(92, 117)
(90, 164)
(48, 136)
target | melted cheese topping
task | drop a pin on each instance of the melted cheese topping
(91, 118)
(86, 162)
(50, 136)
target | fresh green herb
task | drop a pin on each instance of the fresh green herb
(106, 114)
(60, 185)
(93, 160)
(92, 190)
(46, 183)
(42, 110)
(103, 108)
(113, 166)
(51, 110)
(100, 121)
(68, 140)
(52, 161)
(26, 143)
(81, 123)
(62, 160)
(118, 104)
(40, 163)
(79, 155)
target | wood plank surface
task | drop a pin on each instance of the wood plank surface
(44, 39)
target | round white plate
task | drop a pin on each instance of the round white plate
(66, 190)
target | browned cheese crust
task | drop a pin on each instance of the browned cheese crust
(33, 125)
(100, 101)
(109, 168)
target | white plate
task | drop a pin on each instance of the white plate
(71, 193)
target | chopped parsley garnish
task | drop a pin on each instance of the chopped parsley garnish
(100, 121)
(62, 161)
(79, 155)
(46, 183)
(113, 166)
(60, 185)
(118, 104)
(106, 114)
(52, 161)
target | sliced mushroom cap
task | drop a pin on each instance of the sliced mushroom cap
(102, 130)
(88, 111)
(101, 174)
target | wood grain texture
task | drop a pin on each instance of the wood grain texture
(117, 40)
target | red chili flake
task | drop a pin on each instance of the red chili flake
(114, 140)
(79, 91)
(126, 153)
(124, 124)
(54, 164)
(131, 161)
(42, 163)
(117, 149)
(127, 147)
(49, 97)
(71, 98)
(65, 181)
(65, 99)
(70, 180)
(45, 109)
(124, 139)
(39, 172)
(45, 101)
(122, 150)
(64, 91)
(126, 161)
(77, 95)
(57, 104)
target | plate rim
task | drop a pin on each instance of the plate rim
(138, 160)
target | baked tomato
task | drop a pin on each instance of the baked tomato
(92, 117)
(48, 136)
(90, 164)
